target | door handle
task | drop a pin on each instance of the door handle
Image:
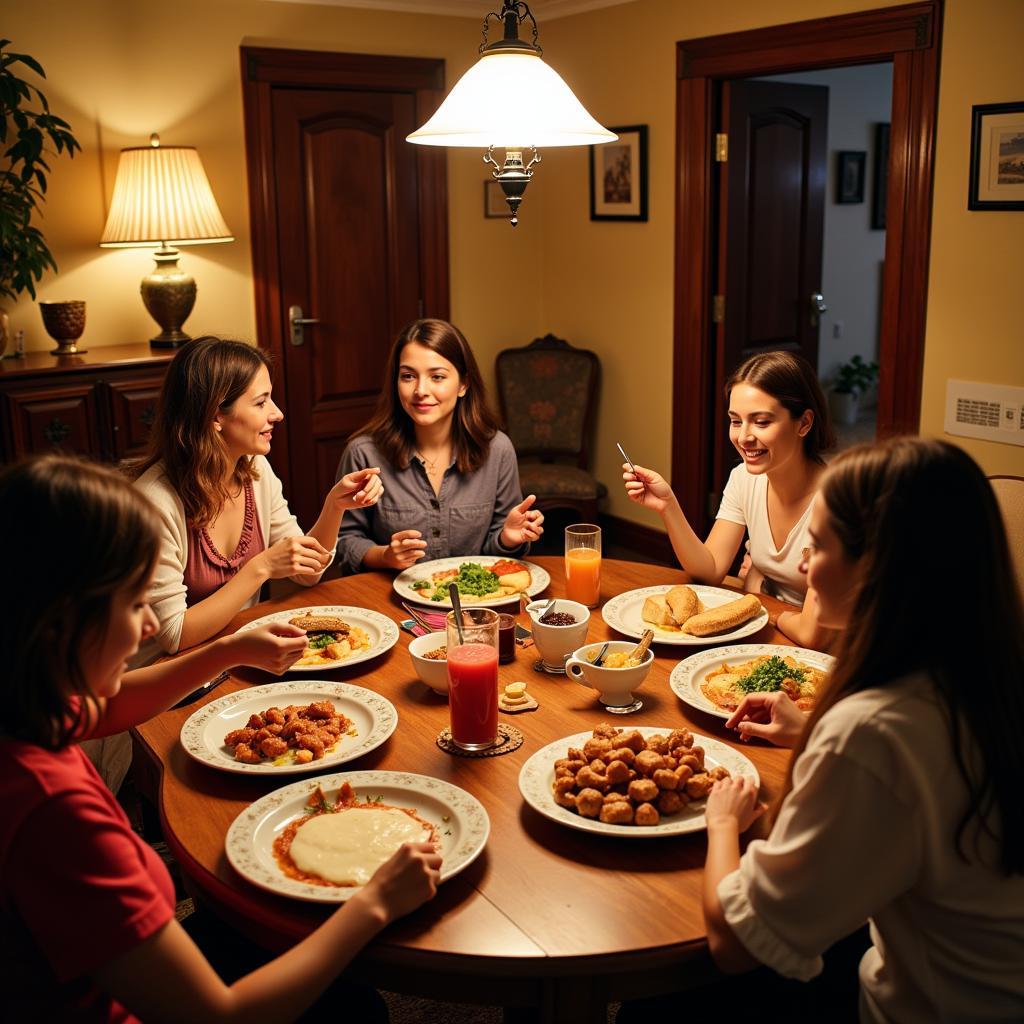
(818, 306)
(296, 321)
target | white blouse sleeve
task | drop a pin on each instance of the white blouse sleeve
(733, 506)
(841, 850)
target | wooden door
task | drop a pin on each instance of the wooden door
(349, 229)
(771, 222)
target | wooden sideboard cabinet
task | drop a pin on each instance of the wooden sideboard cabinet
(100, 404)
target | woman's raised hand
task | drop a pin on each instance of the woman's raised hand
(295, 556)
(405, 881)
(356, 490)
(523, 524)
(404, 549)
(647, 488)
(769, 716)
(733, 799)
(273, 647)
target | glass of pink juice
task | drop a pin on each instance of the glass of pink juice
(473, 678)
(583, 564)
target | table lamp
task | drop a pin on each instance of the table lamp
(162, 197)
(511, 99)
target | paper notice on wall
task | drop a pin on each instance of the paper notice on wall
(990, 412)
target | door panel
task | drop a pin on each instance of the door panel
(772, 189)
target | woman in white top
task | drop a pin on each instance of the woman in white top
(903, 803)
(778, 422)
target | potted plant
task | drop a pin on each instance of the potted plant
(28, 132)
(852, 380)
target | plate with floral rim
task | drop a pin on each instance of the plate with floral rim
(540, 579)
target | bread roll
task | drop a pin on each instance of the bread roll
(682, 603)
(656, 611)
(725, 616)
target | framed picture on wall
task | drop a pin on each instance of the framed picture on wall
(494, 201)
(881, 194)
(618, 176)
(850, 176)
(997, 157)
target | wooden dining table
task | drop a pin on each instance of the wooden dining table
(549, 922)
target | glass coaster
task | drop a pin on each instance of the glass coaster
(509, 739)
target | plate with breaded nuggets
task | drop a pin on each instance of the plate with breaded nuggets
(686, 614)
(251, 731)
(642, 783)
(337, 636)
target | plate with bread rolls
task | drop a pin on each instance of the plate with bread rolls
(686, 614)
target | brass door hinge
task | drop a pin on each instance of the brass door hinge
(717, 308)
(721, 147)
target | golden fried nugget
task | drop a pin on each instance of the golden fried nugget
(589, 803)
(646, 814)
(643, 790)
(619, 771)
(680, 738)
(618, 813)
(658, 743)
(671, 802)
(719, 772)
(587, 777)
(594, 748)
(633, 740)
(682, 773)
(665, 779)
(648, 762)
(699, 786)
(605, 730)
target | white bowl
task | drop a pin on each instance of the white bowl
(614, 686)
(556, 643)
(433, 672)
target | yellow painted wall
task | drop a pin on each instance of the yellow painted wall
(118, 69)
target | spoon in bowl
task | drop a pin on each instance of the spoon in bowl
(600, 656)
(641, 648)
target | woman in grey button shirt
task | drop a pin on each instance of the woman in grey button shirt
(451, 482)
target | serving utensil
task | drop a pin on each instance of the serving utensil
(600, 655)
(622, 452)
(641, 648)
(547, 608)
(453, 593)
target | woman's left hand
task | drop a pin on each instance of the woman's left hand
(523, 524)
(356, 490)
(733, 799)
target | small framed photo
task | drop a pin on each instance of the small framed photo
(494, 201)
(850, 176)
(880, 198)
(997, 157)
(618, 176)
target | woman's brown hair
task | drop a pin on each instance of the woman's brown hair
(921, 520)
(792, 382)
(473, 424)
(207, 376)
(99, 536)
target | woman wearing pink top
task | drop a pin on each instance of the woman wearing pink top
(226, 527)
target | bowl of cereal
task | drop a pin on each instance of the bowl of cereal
(616, 677)
(429, 654)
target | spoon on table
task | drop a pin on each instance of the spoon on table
(453, 593)
(641, 648)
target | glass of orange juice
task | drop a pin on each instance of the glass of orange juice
(583, 564)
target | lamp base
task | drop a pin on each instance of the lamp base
(169, 294)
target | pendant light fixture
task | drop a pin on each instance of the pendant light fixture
(512, 100)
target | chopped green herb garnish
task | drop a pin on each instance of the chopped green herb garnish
(420, 585)
(320, 640)
(768, 676)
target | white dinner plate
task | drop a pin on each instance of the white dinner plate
(460, 820)
(539, 580)
(373, 717)
(687, 676)
(383, 633)
(622, 613)
(538, 776)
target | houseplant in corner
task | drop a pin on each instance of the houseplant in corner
(852, 380)
(28, 131)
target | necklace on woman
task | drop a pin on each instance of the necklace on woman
(431, 464)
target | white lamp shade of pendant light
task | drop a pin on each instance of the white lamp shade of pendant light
(162, 195)
(511, 100)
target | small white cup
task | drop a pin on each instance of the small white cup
(434, 672)
(614, 686)
(556, 643)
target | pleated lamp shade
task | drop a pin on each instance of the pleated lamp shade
(162, 195)
(511, 100)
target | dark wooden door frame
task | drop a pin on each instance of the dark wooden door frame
(908, 36)
(265, 68)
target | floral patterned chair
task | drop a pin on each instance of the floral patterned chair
(547, 392)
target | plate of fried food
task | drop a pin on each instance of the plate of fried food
(336, 635)
(322, 839)
(482, 580)
(289, 727)
(717, 681)
(640, 783)
(686, 614)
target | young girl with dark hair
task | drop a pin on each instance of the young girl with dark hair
(778, 422)
(226, 527)
(450, 476)
(86, 907)
(903, 801)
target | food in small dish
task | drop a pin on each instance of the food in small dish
(727, 685)
(342, 843)
(618, 659)
(429, 656)
(558, 619)
(681, 611)
(620, 778)
(329, 639)
(438, 654)
(476, 582)
(291, 735)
